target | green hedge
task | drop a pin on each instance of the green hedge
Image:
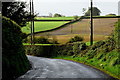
(14, 60)
(117, 34)
(55, 50)
(40, 50)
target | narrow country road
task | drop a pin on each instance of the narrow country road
(57, 68)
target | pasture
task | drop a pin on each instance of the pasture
(54, 18)
(42, 26)
(102, 30)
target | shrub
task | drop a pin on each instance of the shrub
(64, 49)
(117, 34)
(42, 50)
(76, 39)
(41, 40)
(76, 17)
(14, 60)
(54, 41)
(78, 47)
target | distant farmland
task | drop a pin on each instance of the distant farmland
(42, 26)
(102, 29)
(54, 18)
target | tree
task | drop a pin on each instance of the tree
(83, 10)
(96, 12)
(16, 11)
(76, 39)
(76, 17)
(57, 15)
(111, 14)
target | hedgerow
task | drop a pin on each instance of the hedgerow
(14, 60)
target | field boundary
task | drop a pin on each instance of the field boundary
(96, 17)
(64, 25)
(52, 20)
(72, 21)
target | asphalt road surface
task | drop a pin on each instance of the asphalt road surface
(57, 68)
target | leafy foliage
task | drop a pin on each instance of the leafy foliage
(41, 50)
(14, 60)
(116, 34)
(76, 17)
(96, 12)
(111, 15)
(57, 15)
(55, 50)
(76, 39)
(41, 40)
(16, 11)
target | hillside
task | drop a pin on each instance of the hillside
(43, 26)
(102, 29)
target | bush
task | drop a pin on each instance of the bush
(78, 48)
(76, 17)
(14, 60)
(54, 41)
(41, 40)
(76, 39)
(40, 50)
(117, 34)
(49, 50)
(55, 50)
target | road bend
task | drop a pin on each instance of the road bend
(58, 68)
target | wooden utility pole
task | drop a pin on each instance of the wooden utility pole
(33, 19)
(91, 18)
(31, 23)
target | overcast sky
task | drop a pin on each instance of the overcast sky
(73, 7)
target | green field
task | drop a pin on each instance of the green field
(54, 18)
(43, 26)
